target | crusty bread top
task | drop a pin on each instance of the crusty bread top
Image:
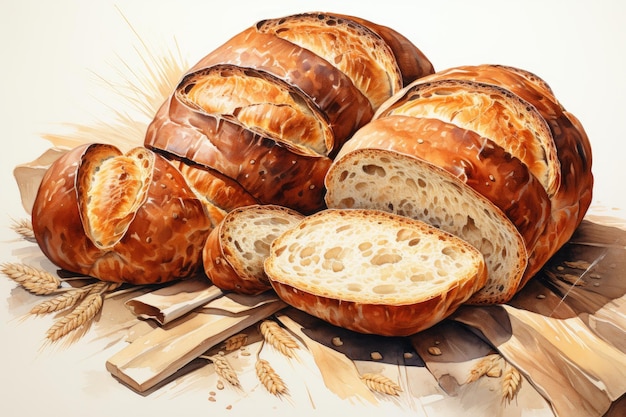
(492, 112)
(372, 257)
(355, 49)
(262, 103)
(403, 184)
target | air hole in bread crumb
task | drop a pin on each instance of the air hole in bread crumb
(354, 287)
(451, 252)
(376, 170)
(384, 289)
(386, 258)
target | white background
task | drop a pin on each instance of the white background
(56, 54)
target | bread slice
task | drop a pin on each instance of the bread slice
(235, 250)
(373, 272)
(403, 184)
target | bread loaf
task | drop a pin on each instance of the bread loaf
(573, 193)
(119, 217)
(291, 91)
(476, 160)
(236, 249)
(379, 273)
(396, 182)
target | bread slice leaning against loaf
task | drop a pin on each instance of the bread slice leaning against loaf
(235, 250)
(373, 272)
(396, 182)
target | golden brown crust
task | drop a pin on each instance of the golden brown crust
(219, 193)
(412, 62)
(351, 47)
(270, 173)
(346, 107)
(162, 242)
(478, 161)
(491, 111)
(573, 197)
(261, 103)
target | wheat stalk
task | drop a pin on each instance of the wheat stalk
(34, 280)
(84, 312)
(269, 378)
(511, 383)
(223, 368)
(277, 336)
(484, 367)
(381, 384)
(24, 228)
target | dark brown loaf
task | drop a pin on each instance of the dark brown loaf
(341, 68)
(119, 217)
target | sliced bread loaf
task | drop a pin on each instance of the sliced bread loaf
(403, 184)
(373, 272)
(235, 250)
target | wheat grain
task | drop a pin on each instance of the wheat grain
(235, 342)
(34, 280)
(278, 337)
(23, 228)
(84, 312)
(223, 368)
(381, 384)
(269, 378)
(483, 367)
(511, 383)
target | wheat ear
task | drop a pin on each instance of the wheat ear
(84, 312)
(269, 378)
(72, 296)
(486, 366)
(381, 384)
(511, 383)
(23, 228)
(61, 302)
(279, 338)
(235, 342)
(34, 280)
(223, 368)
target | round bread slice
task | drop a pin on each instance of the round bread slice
(373, 272)
(399, 183)
(235, 250)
